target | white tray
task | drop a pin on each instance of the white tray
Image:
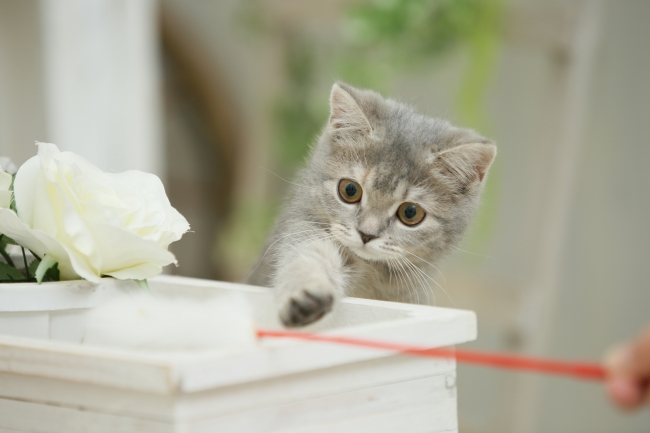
(280, 386)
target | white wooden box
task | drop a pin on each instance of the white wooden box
(281, 386)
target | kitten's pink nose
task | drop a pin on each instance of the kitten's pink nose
(365, 238)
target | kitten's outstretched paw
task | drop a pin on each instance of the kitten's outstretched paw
(305, 308)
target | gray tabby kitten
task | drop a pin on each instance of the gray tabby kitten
(385, 193)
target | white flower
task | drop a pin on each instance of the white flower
(92, 223)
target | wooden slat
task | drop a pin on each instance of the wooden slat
(40, 418)
(60, 295)
(342, 408)
(25, 324)
(84, 364)
(204, 405)
(310, 385)
(437, 419)
(432, 408)
(82, 396)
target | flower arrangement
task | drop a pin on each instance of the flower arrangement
(79, 222)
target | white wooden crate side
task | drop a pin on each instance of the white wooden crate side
(427, 419)
(108, 390)
(89, 365)
(31, 324)
(41, 418)
(345, 410)
(60, 295)
(59, 325)
(309, 385)
(208, 404)
(307, 414)
(68, 325)
(279, 358)
(195, 372)
(86, 397)
(170, 375)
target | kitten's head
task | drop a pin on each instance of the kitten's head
(392, 182)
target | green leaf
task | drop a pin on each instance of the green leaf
(8, 273)
(3, 251)
(33, 266)
(53, 273)
(143, 284)
(7, 240)
(13, 197)
(48, 267)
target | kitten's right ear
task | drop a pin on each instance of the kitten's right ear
(467, 164)
(345, 114)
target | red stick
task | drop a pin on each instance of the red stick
(582, 370)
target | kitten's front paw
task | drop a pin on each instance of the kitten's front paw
(305, 307)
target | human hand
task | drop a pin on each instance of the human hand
(628, 368)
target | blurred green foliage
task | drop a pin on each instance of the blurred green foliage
(298, 113)
(422, 28)
(237, 247)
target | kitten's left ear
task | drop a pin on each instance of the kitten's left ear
(467, 163)
(345, 114)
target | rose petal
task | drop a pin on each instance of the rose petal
(139, 272)
(5, 180)
(5, 199)
(39, 243)
(25, 186)
(122, 250)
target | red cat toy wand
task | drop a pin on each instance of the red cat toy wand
(581, 370)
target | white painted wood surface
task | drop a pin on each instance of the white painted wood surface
(47, 385)
(101, 78)
(54, 310)
(84, 75)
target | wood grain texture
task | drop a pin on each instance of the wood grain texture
(429, 399)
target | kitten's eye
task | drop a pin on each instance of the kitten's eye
(410, 213)
(350, 191)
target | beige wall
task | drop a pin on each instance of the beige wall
(83, 75)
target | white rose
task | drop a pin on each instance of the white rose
(92, 223)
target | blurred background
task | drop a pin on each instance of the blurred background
(221, 99)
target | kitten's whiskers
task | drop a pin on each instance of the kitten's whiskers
(428, 263)
(474, 254)
(429, 277)
(281, 178)
(411, 288)
(425, 284)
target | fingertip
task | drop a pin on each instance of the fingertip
(624, 393)
(619, 359)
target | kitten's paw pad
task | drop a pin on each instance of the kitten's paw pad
(306, 308)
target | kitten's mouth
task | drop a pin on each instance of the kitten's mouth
(367, 253)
